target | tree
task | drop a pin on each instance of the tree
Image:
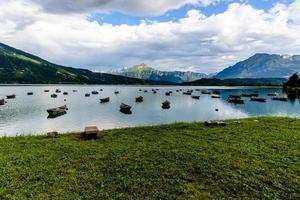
(293, 81)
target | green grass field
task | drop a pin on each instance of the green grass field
(249, 158)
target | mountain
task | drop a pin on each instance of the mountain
(263, 66)
(17, 66)
(142, 71)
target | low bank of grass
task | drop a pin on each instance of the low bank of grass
(245, 159)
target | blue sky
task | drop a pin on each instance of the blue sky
(118, 18)
(186, 35)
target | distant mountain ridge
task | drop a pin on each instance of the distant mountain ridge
(17, 66)
(145, 72)
(263, 65)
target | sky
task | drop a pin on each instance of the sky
(186, 35)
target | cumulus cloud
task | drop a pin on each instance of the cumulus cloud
(198, 42)
(133, 7)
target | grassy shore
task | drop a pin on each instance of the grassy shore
(249, 158)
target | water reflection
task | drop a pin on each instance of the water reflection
(27, 113)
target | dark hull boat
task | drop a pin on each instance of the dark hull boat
(189, 92)
(272, 94)
(196, 97)
(216, 96)
(87, 95)
(235, 96)
(117, 92)
(126, 109)
(104, 100)
(55, 112)
(262, 100)
(280, 98)
(46, 90)
(65, 93)
(29, 93)
(74, 90)
(139, 99)
(216, 92)
(57, 91)
(13, 96)
(95, 92)
(2, 102)
(236, 100)
(168, 93)
(53, 95)
(166, 105)
(205, 92)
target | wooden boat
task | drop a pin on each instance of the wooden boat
(2, 102)
(124, 108)
(29, 93)
(235, 96)
(53, 95)
(95, 92)
(117, 92)
(104, 100)
(205, 92)
(154, 92)
(258, 99)
(217, 92)
(46, 90)
(166, 105)
(195, 97)
(57, 91)
(168, 93)
(65, 93)
(272, 94)
(87, 95)
(139, 99)
(13, 96)
(280, 98)
(236, 100)
(216, 96)
(57, 111)
(145, 90)
(189, 92)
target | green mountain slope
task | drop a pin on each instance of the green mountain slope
(17, 66)
(263, 66)
(143, 71)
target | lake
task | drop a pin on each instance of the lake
(27, 113)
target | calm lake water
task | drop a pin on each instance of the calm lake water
(27, 114)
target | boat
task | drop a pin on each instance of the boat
(101, 90)
(53, 95)
(57, 91)
(95, 92)
(168, 93)
(145, 90)
(235, 96)
(195, 97)
(46, 90)
(236, 100)
(74, 90)
(139, 99)
(87, 95)
(53, 112)
(104, 100)
(189, 92)
(217, 92)
(29, 93)
(272, 94)
(124, 108)
(13, 96)
(65, 93)
(154, 92)
(216, 96)
(247, 95)
(117, 92)
(2, 102)
(205, 92)
(258, 99)
(280, 98)
(166, 105)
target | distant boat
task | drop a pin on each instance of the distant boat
(205, 92)
(258, 99)
(46, 90)
(2, 102)
(195, 97)
(166, 105)
(124, 108)
(101, 90)
(53, 95)
(57, 111)
(236, 100)
(13, 96)
(216, 96)
(29, 93)
(280, 98)
(272, 94)
(139, 99)
(117, 92)
(235, 96)
(87, 95)
(57, 91)
(95, 92)
(104, 100)
(247, 95)
(154, 92)
(74, 90)
(145, 90)
(217, 92)
(189, 92)
(65, 93)
(140, 90)
(168, 93)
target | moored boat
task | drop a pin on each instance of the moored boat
(95, 92)
(29, 93)
(53, 95)
(124, 108)
(74, 90)
(258, 99)
(189, 92)
(2, 102)
(236, 100)
(65, 93)
(216, 92)
(167, 93)
(13, 96)
(280, 98)
(216, 96)
(235, 96)
(104, 100)
(195, 97)
(57, 111)
(272, 94)
(205, 92)
(166, 105)
(46, 90)
(87, 95)
(117, 92)
(57, 91)
(139, 99)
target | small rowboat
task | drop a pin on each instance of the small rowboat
(205, 92)
(235, 96)
(154, 92)
(74, 90)
(196, 97)
(95, 92)
(13, 96)
(280, 98)
(187, 93)
(104, 100)
(29, 93)
(57, 91)
(166, 105)
(167, 93)
(117, 92)
(53, 95)
(46, 90)
(2, 102)
(139, 99)
(216, 96)
(57, 111)
(87, 95)
(217, 92)
(236, 100)
(258, 99)
(145, 90)
(124, 108)
(272, 94)
(65, 93)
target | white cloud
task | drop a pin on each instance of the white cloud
(203, 43)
